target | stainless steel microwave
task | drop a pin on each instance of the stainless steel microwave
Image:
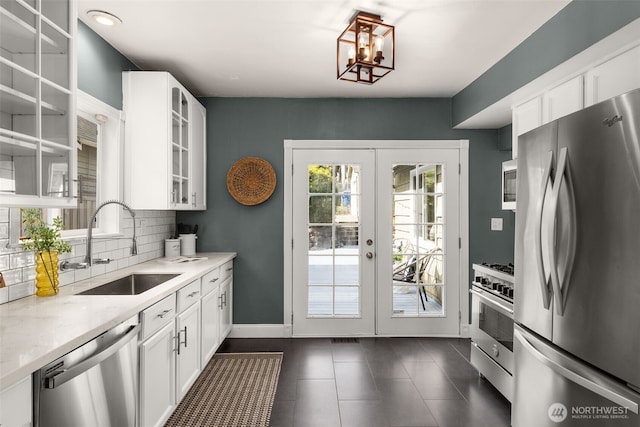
(509, 172)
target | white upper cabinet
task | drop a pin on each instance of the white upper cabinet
(526, 116)
(37, 103)
(618, 75)
(563, 99)
(611, 78)
(199, 156)
(165, 138)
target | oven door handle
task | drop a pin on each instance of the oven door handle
(496, 305)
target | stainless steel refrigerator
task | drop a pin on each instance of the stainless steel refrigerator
(577, 269)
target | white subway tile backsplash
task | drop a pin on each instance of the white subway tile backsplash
(5, 262)
(12, 277)
(152, 227)
(22, 259)
(21, 290)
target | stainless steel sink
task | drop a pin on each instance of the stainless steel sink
(133, 284)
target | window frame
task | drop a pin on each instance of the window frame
(109, 184)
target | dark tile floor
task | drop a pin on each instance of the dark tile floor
(379, 382)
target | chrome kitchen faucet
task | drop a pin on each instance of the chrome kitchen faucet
(88, 261)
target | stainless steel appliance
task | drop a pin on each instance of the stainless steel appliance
(492, 292)
(577, 269)
(509, 184)
(93, 385)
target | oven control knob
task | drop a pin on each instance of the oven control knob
(495, 351)
(484, 281)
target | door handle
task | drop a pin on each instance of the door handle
(560, 287)
(60, 377)
(581, 375)
(542, 276)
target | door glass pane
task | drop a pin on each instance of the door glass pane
(334, 254)
(418, 282)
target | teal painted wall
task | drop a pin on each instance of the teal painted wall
(100, 67)
(239, 127)
(576, 27)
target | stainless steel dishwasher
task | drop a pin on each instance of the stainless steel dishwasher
(93, 385)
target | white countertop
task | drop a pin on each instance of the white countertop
(35, 330)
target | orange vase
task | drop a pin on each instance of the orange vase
(47, 273)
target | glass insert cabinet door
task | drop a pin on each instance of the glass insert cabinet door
(37, 103)
(333, 242)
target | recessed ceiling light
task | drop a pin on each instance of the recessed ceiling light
(104, 18)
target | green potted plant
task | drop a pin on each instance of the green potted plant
(47, 243)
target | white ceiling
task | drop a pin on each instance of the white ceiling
(287, 48)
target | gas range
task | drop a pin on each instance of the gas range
(492, 292)
(496, 279)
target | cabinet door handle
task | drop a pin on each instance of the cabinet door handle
(185, 337)
(164, 313)
(178, 343)
(193, 199)
(224, 298)
(220, 305)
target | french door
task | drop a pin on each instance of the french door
(375, 242)
(333, 247)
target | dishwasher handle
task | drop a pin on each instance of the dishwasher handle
(58, 378)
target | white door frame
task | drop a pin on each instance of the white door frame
(290, 145)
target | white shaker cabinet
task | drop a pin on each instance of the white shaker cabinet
(566, 98)
(37, 103)
(198, 156)
(15, 404)
(526, 116)
(216, 316)
(157, 377)
(164, 143)
(210, 316)
(170, 357)
(226, 304)
(618, 75)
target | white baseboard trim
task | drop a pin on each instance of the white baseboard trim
(258, 331)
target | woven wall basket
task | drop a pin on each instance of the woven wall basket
(251, 180)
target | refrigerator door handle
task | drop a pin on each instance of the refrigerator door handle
(581, 375)
(543, 276)
(560, 287)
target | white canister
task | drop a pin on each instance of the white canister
(188, 244)
(171, 248)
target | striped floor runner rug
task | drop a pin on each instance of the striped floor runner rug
(234, 390)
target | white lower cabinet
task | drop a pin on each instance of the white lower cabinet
(15, 404)
(216, 315)
(170, 358)
(180, 334)
(226, 314)
(157, 377)
(210, 325)
(188, 349)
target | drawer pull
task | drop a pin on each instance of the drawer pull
(229, 269)
(213, 280)
(164, 313)
(193, 294)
